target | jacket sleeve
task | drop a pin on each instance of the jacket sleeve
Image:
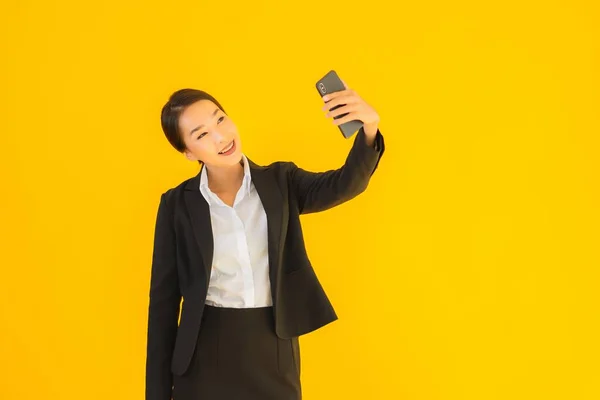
(319, 191)
(163, 310)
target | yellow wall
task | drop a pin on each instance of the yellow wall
(469, 268)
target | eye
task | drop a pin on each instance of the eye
(206, 133)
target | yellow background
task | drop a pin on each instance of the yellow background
(469, 268)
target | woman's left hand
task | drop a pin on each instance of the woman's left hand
(355, 106)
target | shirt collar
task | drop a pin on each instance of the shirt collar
(245, 182)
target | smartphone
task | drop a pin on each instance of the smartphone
(330, 83)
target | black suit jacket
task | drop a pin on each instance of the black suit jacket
(183, 252)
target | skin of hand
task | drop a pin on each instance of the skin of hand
(357, 109)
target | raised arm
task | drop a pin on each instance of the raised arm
(318, 191)
(163, 311)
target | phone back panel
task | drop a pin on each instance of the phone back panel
(330, 83)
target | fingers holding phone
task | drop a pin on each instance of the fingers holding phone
(329, 86)
(348, 110)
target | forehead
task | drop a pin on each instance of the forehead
(198, 113)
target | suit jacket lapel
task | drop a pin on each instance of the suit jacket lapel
(268, 190)
(199, 213)
(269, 193)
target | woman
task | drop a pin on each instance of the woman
(229, 243)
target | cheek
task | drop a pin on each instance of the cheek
(206, 147)
(202, 146)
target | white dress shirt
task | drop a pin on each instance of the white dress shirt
(240, 268)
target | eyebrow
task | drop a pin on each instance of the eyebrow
(202, 125)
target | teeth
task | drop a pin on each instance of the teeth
(227, 149)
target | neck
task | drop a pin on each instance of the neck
(225, 179)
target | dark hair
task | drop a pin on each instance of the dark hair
(169, 116)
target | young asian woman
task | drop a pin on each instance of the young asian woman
(228, 242)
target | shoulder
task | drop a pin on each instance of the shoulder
(280, 165)
(281, 169)
(171, 194)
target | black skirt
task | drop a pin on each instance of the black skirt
(239, 357)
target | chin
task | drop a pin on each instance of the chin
(234, 158)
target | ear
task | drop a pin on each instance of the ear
(190, 156)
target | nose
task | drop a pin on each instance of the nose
(219, 137)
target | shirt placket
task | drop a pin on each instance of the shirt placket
(244, 257)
